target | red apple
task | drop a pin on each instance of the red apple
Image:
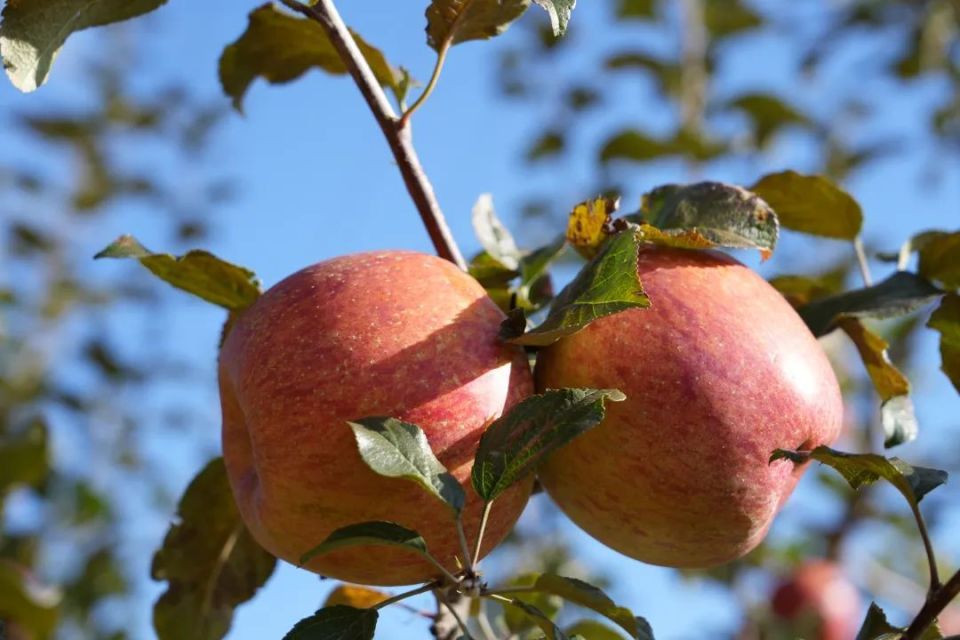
(718, 373)
(820, 602)
(376, 334)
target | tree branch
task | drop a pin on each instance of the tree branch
(935, 604)
(396, 132)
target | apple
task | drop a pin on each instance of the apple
(718, 373)
(387, 333)
(819, 602)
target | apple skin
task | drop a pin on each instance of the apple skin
(718, 373)
(819, 597)
(387, 333)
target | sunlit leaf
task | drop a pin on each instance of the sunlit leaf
(209, 560)
(537, 617)
(946, 320)
(768, 114)
(811, 204)
(517, 620)
(338, 622)
(368, 533)
(896, 411)
(559, 11)
(592, 630)
(355, 596)
(634, 145)
(900, 294)
(861, 469)
(279, 47)
(398, 449)
(33, 31)
(725, 18)
(802, 290)
(494, 237)
(513, 446)
(940, 259)
(456, 21)
(588, 226)
(198, 272)
(606, 285)
(711, 214)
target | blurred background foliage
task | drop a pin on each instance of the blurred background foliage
(70, 425)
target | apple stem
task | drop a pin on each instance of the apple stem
(936, 602)
(928, 547)
(483, 527)
(395, 130)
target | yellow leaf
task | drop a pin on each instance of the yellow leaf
(354, 596)
(589, 225)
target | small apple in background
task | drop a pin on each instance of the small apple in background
(718, 373)
(819, 602)
(387, 333)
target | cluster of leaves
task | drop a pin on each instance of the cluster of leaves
(61, 372)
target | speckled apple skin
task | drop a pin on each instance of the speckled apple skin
(718, 373)
(820, 596)
(386, 333)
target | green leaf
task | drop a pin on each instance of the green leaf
(768, 115)
(559, 11)
(637, 9)
(940, 259)
(517, 620)
(593, 630)
(550, 143)
(634, 145)
(339, 622)
(725, 18)
(494, 237)
(896, 412)
(209, 559)
(716, 213)
(860, 469)
(811, 204)
(279, 48)
(606, 285)
(33, 32)
(515, 443)
(24, 455)
(900, 294)
(802, 290)
(198, 272)
(539, 618)
(876, 627)
(946, 320)
(589, 596)
(398, 449)
(535, 288)
(368, 533)
(22, 602)
(451, 22)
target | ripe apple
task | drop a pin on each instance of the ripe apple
(387, 333)
(819, 602)
(718, 373)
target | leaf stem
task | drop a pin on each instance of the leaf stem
(431, 85)
(928, 547)
(862, 261)
(936, 602)
(467, 558)
(395, 131)
(406, 594)
(449, 576)
(483, 527)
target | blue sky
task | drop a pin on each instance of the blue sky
(316, 180)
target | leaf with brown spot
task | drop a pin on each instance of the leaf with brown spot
(588, 226)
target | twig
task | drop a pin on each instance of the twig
(396, 132)
(862, 261)
(406, 594)
(928, 548)
(936, 603)
(480, 532)
(442, 628)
